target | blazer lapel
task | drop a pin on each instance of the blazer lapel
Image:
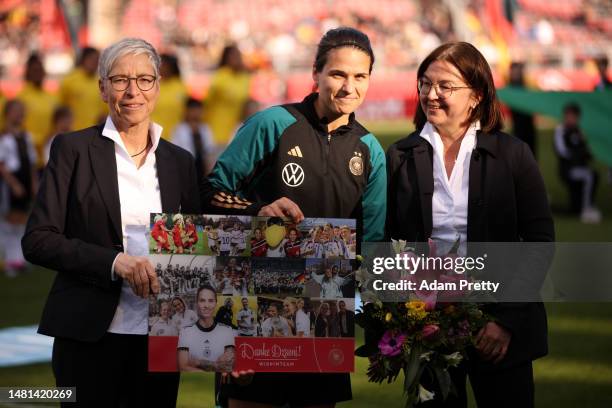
(104, 164)
(424, 170)
(167, 172)
(475, 200)
(486, 149)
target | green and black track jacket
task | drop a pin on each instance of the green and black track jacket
(286, 151)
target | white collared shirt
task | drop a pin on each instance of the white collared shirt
(139, 195)
(450, 197)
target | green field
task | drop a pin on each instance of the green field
(576, 373)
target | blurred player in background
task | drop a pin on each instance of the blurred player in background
(39, 104)
(574, 159)
(79, 90)
(194, 136)
(170, 108)
(19, 176)
(61, 123)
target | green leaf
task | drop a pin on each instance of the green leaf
(411, 397)
(444, 380)
(413, 368)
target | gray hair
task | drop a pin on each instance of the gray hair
(127, 46)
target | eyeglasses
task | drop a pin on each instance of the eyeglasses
(122, 82)
(443, 89)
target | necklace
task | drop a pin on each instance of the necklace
(143, 150)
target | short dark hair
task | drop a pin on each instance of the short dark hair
(172, 62)
(227, 50)
(86, 52)
(61, 112)
(572, 107)
(193, 103)
(10, 105)
(476, 72)
(602, 60)
(33, 58)
(338, 38)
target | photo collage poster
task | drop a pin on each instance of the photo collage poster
(260, 293)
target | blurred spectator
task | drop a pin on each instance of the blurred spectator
(170, 108)
(574, 157)
(229, 89)
(195, 137)
(523, 125)
(79, 91)
(250, 107)
(61, 123)
(38, 103)
(603, 82)
(2, 103)
(18, 174)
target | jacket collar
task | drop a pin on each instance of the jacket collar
(484, 142)
(104, 165)
(422, 152)
(320, 124)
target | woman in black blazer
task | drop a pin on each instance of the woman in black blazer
(459, 176)
(98, 184)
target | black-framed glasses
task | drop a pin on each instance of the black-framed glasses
(122, 82)
(443, 89)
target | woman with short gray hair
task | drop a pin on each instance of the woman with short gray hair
(94, 203)
(127, 46)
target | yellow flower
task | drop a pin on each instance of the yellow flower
(416, 309)
(388, 317)
(450, 309)
(416, 305)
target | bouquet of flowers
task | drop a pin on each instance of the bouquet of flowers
(422, 336)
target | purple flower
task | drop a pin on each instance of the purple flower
(430, 331)
(391, 343)
(463, 329)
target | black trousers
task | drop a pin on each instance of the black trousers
(291, 389)
(505, 388)
(112, 372)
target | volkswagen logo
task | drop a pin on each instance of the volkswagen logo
(293, 174)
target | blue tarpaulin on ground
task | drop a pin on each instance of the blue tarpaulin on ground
(22, 345)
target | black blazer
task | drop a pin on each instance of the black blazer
(507, 202)
(75, 227)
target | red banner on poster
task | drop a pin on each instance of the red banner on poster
(269, 354)
(162, 353)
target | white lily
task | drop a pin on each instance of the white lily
(453, 359)
(424, 394)
(426, 356)
(398, 245)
